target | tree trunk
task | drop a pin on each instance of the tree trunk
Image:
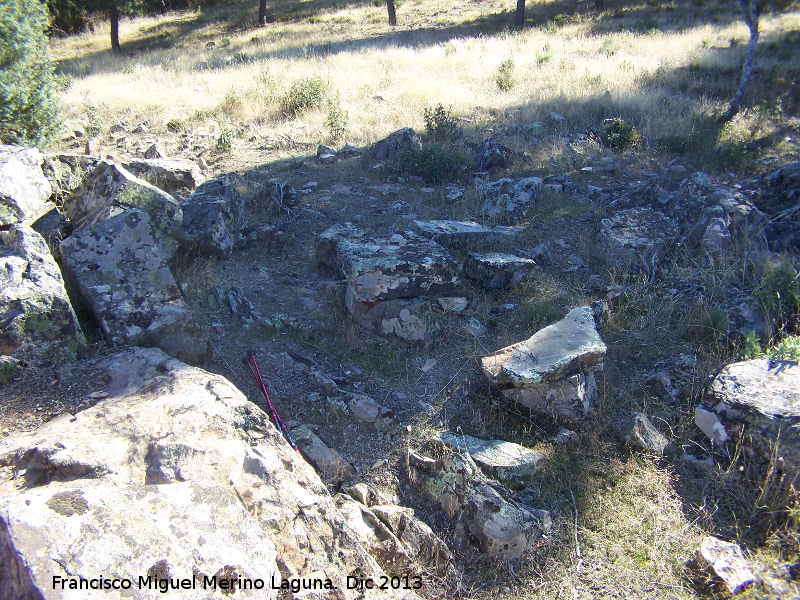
(750, 12)
(392, 13)
(113, 15)
(262, 13)
(519, 16)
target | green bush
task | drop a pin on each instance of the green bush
(30, 112)
(439, 123)
(436, 163)
(225, 140)
(619, 135)
(176, 126)
(337, 119)
(750, 348)
(505, 76)
(787, 350)
(305, 94)
(779, 294)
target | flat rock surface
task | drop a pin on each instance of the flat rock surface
(771, 388)
(460, 234)
(726, 561)
(496, 269)
(168, 174)
(550, 354)
(637, 236)
(497, 458)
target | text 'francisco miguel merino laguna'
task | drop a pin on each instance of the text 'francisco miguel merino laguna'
(190, 583)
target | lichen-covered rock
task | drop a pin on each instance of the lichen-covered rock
(725, 561)
(213, 217)
(36, 317)
(24, 191)
(120, 269)
(638, 432)
(460, 234)
(495, 270)
(169, 174)
(505, 461)
(636, 238)
(447, 481)
(757, 403)
(110, 190)
(509, 200)
(390, 147)
(553, 370)
(170, 452)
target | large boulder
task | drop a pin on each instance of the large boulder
(110, 190)
(389, 148)
(176, 475)
(119, 268)
(169, 174)
(36, 317)
(213, 217)
(756, 403)
(553, 370)
(24, 191)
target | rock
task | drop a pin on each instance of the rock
(557, 118)
(565, 437)
(495, 270)
(96, 531)
(36, 317)
(110, 190)
(492, 155)
(24, 191)
(166, 464)
(349, 151)
(475, 328)
(330, 465)
(725, 561)
(455, 304)
(459, 234)
(509, 200)
(419, 540)
(325, 150)
(120, 269)
(552, 371)
(504, 461)
(171, 175)
(446, 481)
(500, 528)
(405, 325)
(638, 432)
(213, 217)
(756, 403)
(366, 409)
(65, 172)
(92, 147)
(376, 270)
(400, 141)
(636, 238)
(155, 151)
(53, 227)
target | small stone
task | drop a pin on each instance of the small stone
(429, 364)
(639, 432)
(726, 561)
(475, 328)
(565, 437)
(557, 117)
(454, 304)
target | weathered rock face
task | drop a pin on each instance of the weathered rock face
(24, 191)
(329, 463)
(36, 316)
(110, 190)
(509, 200)
(65, 172)
(460, 234)
(492, 155)
(636, 237)
(390, 147)
(168, 174)
(120, 269)
(553, 371)
(176, 465)
(213, 216)
(397, 270)
(504, 461)
(725, 561)
(760, 399)
(496, 270)
(637, 431)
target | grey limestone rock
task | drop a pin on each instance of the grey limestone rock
(496, 270)
(390, 147)
(213, 217)
(169, 174)
(505, 461)
(24, 190)
(636, 238)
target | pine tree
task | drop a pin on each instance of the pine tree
(30, 112)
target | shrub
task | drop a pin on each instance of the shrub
(439, 124)
(225, 140)
(30, 113)
(779, 294)
(337, 119)
(505, 75)
(436, 163)
(787, 350)
(750, 347)
(176, 126)
(94, 122)
(619, 135)
(303, 95)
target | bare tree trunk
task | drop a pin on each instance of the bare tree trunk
(519, 16)
(113, 15)
(262, 13)
(750, 13)
(392, 13)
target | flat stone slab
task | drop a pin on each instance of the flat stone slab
(36, 316)
(168, 174)
(564, 348)
(502, 460)
(24, 190)
(636, 237)
(509, 200)
(496, 270)
(403, 266)
(120, 268)
(460, 234)
(570, 398)
(770, 388)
